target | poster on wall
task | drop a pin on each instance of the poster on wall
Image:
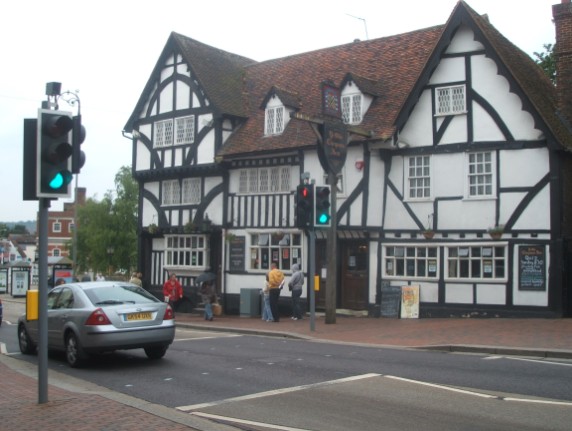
(532, 267)
(3, 281)
(410, 302)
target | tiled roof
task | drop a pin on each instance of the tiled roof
(219, 73)
(392, 62)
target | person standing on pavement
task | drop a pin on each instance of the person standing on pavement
(135, 279)
(208, 296)
(295, 285)
(275, 283)
(172, 290)
(266, 312)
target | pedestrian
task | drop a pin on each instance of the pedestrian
(135, 279)
(275, 283)
(266, 311)
(100, 277)
(172, 290)
(295, 285)
(208, 294)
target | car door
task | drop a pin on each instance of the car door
(58, 315)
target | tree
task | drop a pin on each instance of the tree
(107, 230)
(546, 61)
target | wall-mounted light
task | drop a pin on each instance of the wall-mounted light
(359, 164)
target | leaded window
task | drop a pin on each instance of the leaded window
(185, 130)
(163, 133)
(274, 120)
(174, 132)
(265, 180)
(450, 100)
(191, 191)
(351, 109)
(171, 192)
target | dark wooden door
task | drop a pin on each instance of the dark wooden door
(354, 275)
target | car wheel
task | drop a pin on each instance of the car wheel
(74, 352)
(27, 346)
(156, 352)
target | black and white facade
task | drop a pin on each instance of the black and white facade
(459, 183)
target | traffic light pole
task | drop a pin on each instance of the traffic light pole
(44, 204)
(311, 271)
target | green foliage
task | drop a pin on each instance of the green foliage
(546, 61)
(107, 229)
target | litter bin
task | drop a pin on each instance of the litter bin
(249, 302)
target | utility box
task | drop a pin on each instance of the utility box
(32, 305)
(249, 302)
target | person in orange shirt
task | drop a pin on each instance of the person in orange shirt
(275, 283)
(172, 290)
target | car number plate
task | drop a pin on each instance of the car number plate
(139, 316)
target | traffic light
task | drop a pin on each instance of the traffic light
(53, 154)
(78, 136)
(304, 205)
(29, 177)
(322, 211)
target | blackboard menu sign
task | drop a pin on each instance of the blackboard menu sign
(237, 253)
(390, 300)
(532, 267)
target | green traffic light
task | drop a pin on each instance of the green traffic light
(60, 179)
(323, 218)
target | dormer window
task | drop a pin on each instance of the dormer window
(352, 108)
(274, 120)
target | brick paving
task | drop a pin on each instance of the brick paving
(97, 409)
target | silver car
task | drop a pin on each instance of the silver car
(101, 316)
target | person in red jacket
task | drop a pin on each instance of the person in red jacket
(172, 290)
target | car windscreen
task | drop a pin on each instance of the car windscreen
(119, 294)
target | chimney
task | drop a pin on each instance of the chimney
(562, 14)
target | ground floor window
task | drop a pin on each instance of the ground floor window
(187, 251)
(411, 261)
(283, 248)
(477, 262)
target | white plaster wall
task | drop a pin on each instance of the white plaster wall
(183, 95)
(429, 292)
(449, 70)
(166, 98)
(458, 293)
(206, 148)
(534, 162)
(464, 41)
(492, 294)
(419, 130)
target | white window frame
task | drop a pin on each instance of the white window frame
(187, 252)
(170, 192)
(418, 177)
(463, 261)
(178, 131)
(352, 108)
(274, 120)
(408, 261)
(451, 100)
(265, 180)
(283, 248)
(191, 191)
(480, 175)
(57, 227)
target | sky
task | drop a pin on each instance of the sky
(105, 52)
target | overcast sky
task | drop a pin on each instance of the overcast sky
(106, 51)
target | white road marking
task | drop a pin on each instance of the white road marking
(276, 392)
(245, 422)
